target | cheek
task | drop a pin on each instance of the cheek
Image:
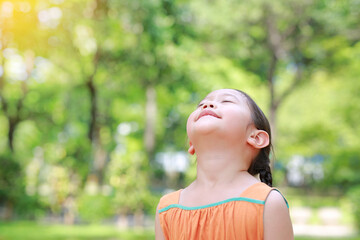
(189, 123)
(237, 123)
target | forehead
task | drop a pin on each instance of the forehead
(225, 92)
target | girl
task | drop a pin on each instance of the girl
(231, 138)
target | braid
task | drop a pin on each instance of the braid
(261, 165)
(266, 176)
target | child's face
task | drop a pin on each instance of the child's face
(223, 111)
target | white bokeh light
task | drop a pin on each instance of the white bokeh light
(15, 66)
(50, 17)
(7, 9)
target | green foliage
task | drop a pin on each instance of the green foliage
(13, 192)
(127, 175)
(29, 207)
(95, 208)
(9, 181)
(342, 170)
(354, 197)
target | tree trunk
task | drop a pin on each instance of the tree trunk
(273, 104)
(93, 108)
(99, 155)
(16, 118)
(271, 87)
(273, 124)
(274, 43)
(93, 98)
(13, 122)
(100, 159)
(150, 121)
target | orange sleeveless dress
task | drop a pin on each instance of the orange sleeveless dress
(234, 218)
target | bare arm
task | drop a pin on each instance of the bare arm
(159, 235)
(277, 223)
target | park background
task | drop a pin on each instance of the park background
(94, 98)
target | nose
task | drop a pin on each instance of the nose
(208, 105)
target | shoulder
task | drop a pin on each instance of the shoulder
(159, 234)
(277, 223)
(275, 204)
(168, 199)
(276, 199)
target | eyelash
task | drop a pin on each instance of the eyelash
(224, 101)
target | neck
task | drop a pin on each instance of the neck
(220, 163)
(221, 160)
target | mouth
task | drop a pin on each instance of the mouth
(207, 113)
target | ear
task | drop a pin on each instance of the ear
(259, 139)
(191, 149)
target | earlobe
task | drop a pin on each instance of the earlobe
(191, 149)
(259, 139)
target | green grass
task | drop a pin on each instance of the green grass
(327, 238)
(34, 231)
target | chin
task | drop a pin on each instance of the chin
(205, 129)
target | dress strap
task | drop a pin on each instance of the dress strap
(260, 191)
(170, 198)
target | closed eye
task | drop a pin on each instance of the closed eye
(227, 101)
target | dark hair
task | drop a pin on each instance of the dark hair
(261, 163)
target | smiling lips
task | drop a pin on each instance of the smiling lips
(207, 112)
